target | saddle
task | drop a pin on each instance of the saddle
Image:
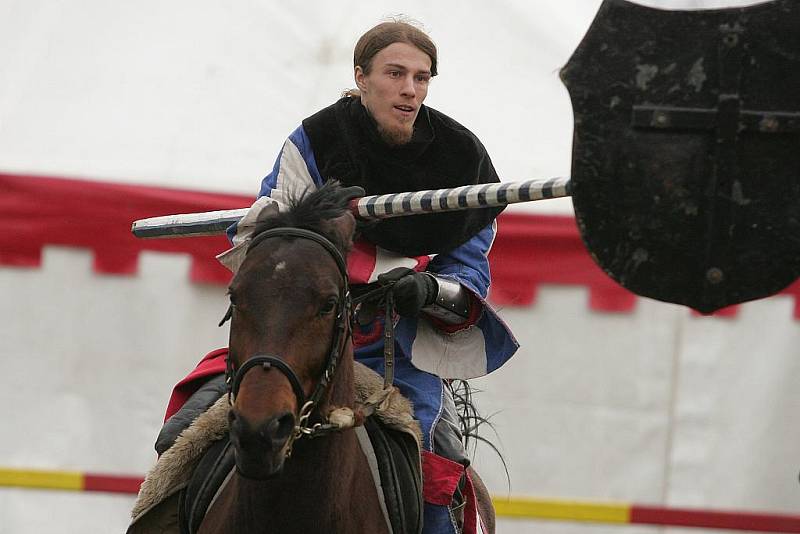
(399, 468)
(393, 457)
(210, 475)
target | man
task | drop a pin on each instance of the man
(382, 138)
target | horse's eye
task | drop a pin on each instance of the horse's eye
(329, 306)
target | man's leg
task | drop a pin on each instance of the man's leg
(447, 438)
(200, 401)
(444, 459)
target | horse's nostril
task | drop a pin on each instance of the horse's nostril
(280, 427)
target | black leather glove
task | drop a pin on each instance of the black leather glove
(412, 290)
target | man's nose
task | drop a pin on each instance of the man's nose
(408, 88)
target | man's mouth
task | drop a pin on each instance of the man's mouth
(405, 109)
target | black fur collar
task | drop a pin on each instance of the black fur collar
(441, 154)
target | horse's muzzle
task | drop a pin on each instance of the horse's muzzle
(260, 450)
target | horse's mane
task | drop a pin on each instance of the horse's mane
(311, 210)
(471, 422)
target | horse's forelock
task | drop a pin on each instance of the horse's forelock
(313, 211)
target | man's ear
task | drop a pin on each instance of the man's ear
(358, 75)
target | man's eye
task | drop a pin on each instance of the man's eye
(394, 73)
(423, 79)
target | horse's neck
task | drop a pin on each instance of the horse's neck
(298, 500)
(325, 486)
(329, 461)
(320, 467)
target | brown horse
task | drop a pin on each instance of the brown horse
(290, 367)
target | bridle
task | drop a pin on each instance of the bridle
(307, 405)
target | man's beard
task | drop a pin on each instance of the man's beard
(396, 136)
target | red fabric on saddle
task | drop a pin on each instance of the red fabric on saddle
(473, 523)
(440, 477)
(212, 364)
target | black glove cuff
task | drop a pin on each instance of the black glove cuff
(431, 287)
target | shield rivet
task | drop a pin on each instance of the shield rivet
(731, 39)
(661, 119)
(715, 275)
(769, 124)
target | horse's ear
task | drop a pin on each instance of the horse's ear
(344, 228)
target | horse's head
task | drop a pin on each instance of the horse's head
(289, 326)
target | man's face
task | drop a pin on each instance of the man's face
(394, 89)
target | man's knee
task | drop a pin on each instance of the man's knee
(447, 438)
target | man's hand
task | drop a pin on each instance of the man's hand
(412, 290)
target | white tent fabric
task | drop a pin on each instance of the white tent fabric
(655, 406)
(202, 94)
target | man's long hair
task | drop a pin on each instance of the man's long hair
(398, 30)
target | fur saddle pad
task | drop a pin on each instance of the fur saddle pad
(392, 431)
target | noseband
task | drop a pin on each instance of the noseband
(305, 404)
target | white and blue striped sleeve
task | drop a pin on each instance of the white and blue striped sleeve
(295, 170)
(469, 262)
(479, 348)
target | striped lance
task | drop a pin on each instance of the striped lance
(372, 207)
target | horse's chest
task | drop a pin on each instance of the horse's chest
(253, 507)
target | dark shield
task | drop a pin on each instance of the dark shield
(686, 154)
